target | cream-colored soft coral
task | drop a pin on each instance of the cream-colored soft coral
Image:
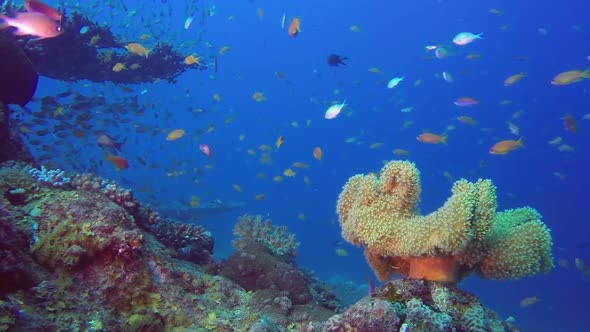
(381, 214)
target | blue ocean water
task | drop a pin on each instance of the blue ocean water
(541, 39)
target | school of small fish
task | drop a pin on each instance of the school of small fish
(261, 154)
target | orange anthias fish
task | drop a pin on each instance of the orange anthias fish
(432, 138)
(119, 162)
(295, 27)
(32, 24)
(192, 60)
(317, 153)
(570, 76)
(280, 141)
(467, 120)
(570, 123)
(504, 147)
(39, 7)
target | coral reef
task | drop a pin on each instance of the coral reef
(464, 235)
(50, 177)
(16, 266)
(276, 238)
(415, 305)
(74, 56)
(86, 255)
(264, 264)
(191, 242)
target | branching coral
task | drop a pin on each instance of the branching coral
(381, 214)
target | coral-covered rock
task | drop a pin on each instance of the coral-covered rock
(75, 228)
(256, 268)
(17, 269)
(18, 77)
(277, 239)
(415, 305)
(191, 242)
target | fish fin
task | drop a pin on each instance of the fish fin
(118, 145)
(19, 32)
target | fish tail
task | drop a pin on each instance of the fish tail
(443, 138)
(585, 73)
(479, 35)
(118, 145)
(520, 141)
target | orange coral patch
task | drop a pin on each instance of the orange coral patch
(442, 268)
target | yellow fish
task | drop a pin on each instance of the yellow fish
(280, 141)
(258, 96)
(341, 252)
(224, 50)
(299, 164)
(289, 173)
(119, 67)
(137, 49)
(175, 134)
(514, 79)
(570, 76)
(529, 301)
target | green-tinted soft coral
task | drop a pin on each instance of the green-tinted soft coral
(519, 245)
